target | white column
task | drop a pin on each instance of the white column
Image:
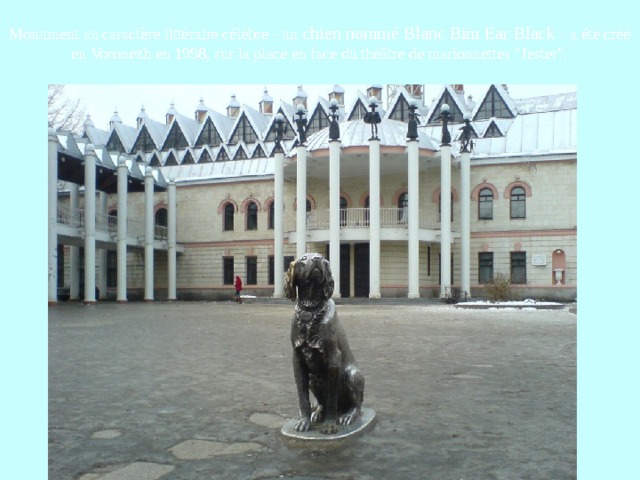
(74, 250)
(465, 223)
(414, 219)
(52, 214)
(374, 218)
(102, 253)
(171, 240)
(89, 225)
(301, 199)
(278, 227)
(148, 234)
(121, 295)
(334, 213)
(445, 220)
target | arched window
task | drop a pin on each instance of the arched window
(518, 203)
(160, 230)
(229, 212)
(161, 217)
(485, 204)
(252, 216)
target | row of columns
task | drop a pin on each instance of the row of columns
(90, 206)
(374, 217)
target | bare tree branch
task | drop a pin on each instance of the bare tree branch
(65, 113)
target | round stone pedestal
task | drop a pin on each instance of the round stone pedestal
(314, 437)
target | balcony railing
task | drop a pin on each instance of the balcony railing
(74, 217)
(359, 218)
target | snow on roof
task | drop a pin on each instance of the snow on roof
(126, 134)
(157, 131)
(220, 170)
(563, 101)
(189, 127)
(542, 126)
(96, 135)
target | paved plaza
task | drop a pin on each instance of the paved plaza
(148, 391)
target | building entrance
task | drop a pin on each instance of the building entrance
(345, 269)
(361, 269)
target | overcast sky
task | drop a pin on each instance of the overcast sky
(100, 101)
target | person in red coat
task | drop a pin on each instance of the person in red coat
(238, 285)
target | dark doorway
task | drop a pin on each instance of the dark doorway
(345, 269)
(361, 269)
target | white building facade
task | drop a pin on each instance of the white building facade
(228, 199)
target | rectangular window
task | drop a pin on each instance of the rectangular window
(287, 262)
(485, 210)
(518, 267)
(485, 267)
(252, 270)
(227, 270)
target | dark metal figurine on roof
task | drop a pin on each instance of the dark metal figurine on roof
(445, 116)
(323, 363)
(412, 129)
(466, 144)
(334, 127)
(301, 124)
(373, 118)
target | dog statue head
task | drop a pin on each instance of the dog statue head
(309, 278)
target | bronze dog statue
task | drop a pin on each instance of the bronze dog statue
(322, 360)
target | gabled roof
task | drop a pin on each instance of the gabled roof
(258, 120)
(402, 95)
(188, 126)
(248, 114)
(455, 101)
(95, 135)
(503, 99)
(127, 135)
(220, 123)
(288, 112)
(363, 101)
(156, 131)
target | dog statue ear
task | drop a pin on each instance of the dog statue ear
(329, 284)
(290, 282)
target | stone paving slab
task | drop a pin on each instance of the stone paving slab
(204, 449)
(134, 471)
(458, 394)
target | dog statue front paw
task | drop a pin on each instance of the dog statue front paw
(349, 417)
(317, 416)
(303, 425)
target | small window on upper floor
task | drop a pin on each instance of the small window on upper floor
(518, 203)
(485, 204)
(252, 216)
(229, 213)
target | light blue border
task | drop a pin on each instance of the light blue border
(608, 168)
